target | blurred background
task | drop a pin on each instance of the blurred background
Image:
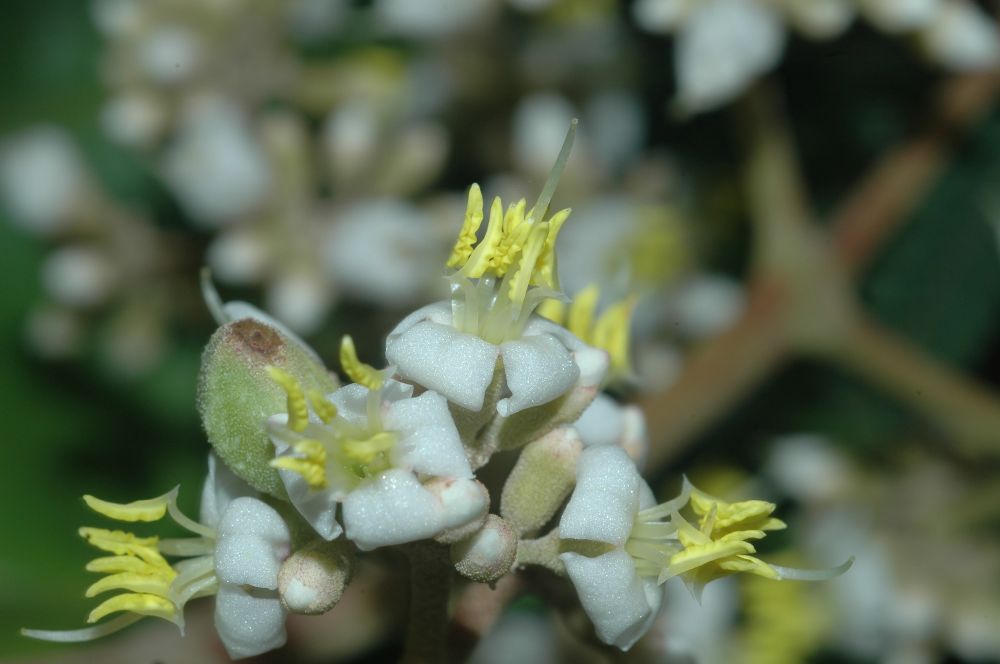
(802, 193)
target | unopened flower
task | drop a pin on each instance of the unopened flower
(363, 446)
(235, 554)
(454, 347)
(621, 546)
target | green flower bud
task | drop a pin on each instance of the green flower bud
(236, 395)
(541, 480)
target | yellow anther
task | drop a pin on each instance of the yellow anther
(467, 236)
(749, 565)
(482, 256)
(322, 406)
(312, 450)
(581, 312)
(701, 556)
(554, 310)
(298, 409)
(365, 451)
(515, 233)
(142, 603)
(612, 332)
(122, 543)
(545, 273)
(743, 515)
(313, 473)
(116, 564)
(356, 370)
(526, 265)
(152, 509)
(155, 584)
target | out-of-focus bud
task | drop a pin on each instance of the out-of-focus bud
(466, 504)
(312, 580)
(236, 394)
(488, 554)
(541, 480)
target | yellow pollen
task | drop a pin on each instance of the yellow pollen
(322, 406)
(467, 236)
(356, 370)
(298, 408)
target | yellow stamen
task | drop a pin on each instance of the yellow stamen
(322, 406)
(155, 584)
(611, 333)
(470, 227)
(356, 370)
(526, 266)
(312, 472)
(515, 234)
(116, 564)
(581, 312)
(554, 310)
(365, 451)
(482, 256)
(151, 509)
(545, 272)
(122, 543)
(142, 603)
(313, 450)
(298, 409)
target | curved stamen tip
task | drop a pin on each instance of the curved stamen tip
(795, 574)
(211, 297)
(537, 212)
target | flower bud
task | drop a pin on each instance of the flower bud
(236, 394)
(488, 554)
(541, 480)
(465, 504)
(312, 580)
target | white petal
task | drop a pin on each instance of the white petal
(319, 508)
(352, 400)
(635, 440)
(253, 540)
(725, 45)
(221, 487)
(539, 369)
(705, 305)
(900, 15)
(429, 442)
(456, 365)
(606, 498)
(602, 422)
(392, 508)
(248, 623)
(613, 595)
(659, 15)
(820, 19)
(962, 37)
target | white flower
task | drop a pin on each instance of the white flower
(961, 36)
(455, 347)
(539, 366)
(42, 178)
(606, 422)
(215, 166)
(235, 554)
(608, 496)
(364, 448)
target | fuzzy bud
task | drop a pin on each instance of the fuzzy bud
(488, 554)
(312, 580)
(466, 504)
(236, 394)
(541, 480)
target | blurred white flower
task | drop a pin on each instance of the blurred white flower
(215, 165)
(433, 18)
(134, 118)
(42, 178)
(962, 36)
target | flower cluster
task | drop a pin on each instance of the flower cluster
(390, 460)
